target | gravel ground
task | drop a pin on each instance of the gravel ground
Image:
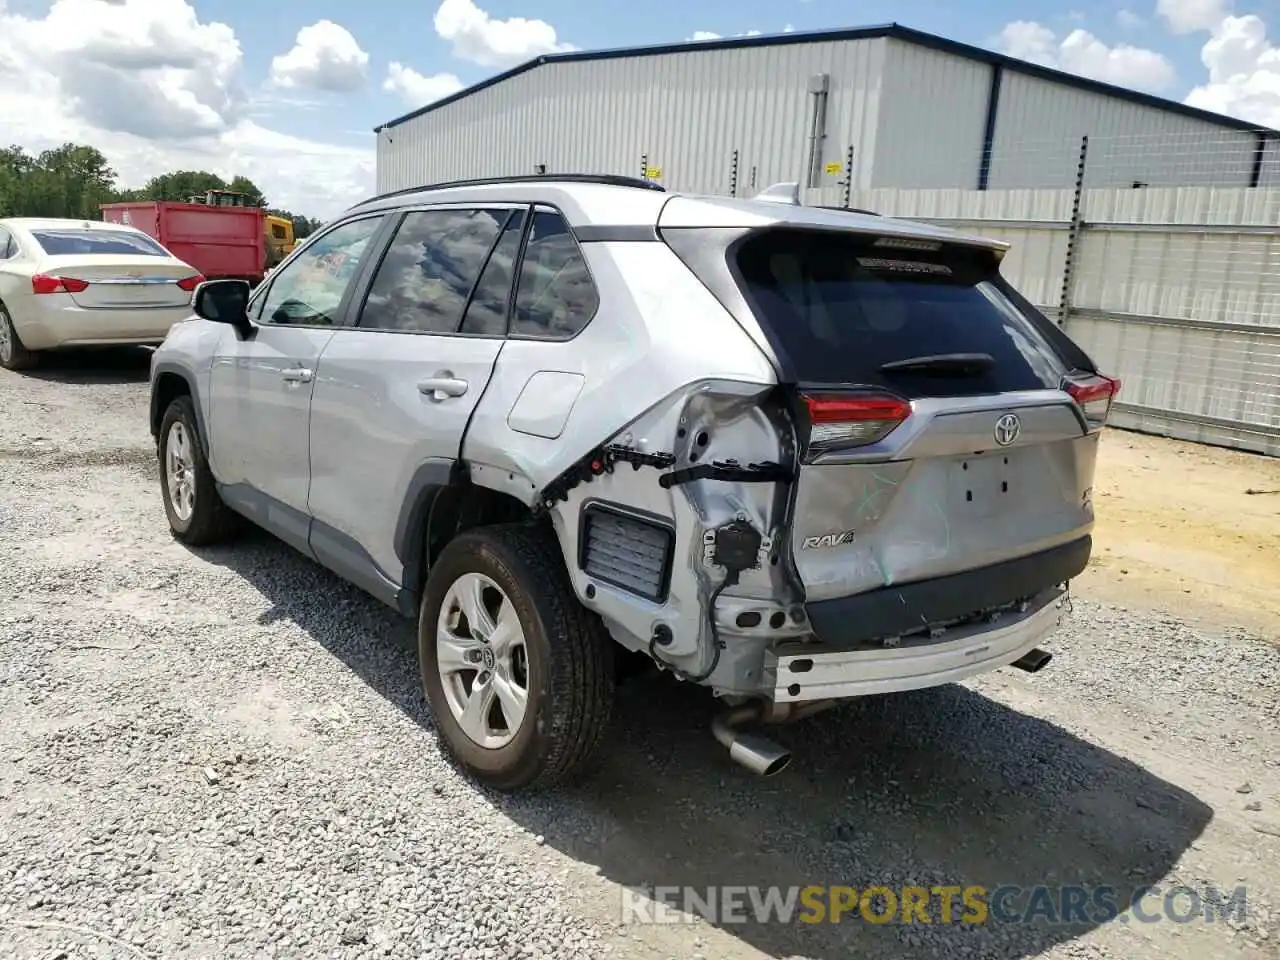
(226, 753)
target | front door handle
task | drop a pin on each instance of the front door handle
(442, 386)
(296, 375)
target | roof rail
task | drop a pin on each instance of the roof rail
(869, 213)
(607, 179)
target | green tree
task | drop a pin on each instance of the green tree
(182, 185)
(74, 180)
(249, 189)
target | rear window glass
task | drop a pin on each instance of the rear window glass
(62, 242)
(840, 307)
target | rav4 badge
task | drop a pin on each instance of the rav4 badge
(827, 540)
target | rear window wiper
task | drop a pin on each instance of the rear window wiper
(942, 364)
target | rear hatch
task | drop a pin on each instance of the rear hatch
(938, 434)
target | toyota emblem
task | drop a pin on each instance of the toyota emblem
(1007, 429)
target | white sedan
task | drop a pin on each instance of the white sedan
(81, 283)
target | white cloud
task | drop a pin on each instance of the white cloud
(156, 89)
(701, 35)
(1188, 16)
(482, 39)
(325, 56)
(1083, 54)
(417, 90)
(1244, 72)
(1128, 19)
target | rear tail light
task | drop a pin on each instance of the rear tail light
(190, 283)
(42, 283)
(843, 420)
(1094, 394)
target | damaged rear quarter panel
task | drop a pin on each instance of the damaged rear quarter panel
(660, 348)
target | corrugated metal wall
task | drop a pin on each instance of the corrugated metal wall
(1039, 125)
(933, 121)
(685, 112)
(912, 116)
(1175, 290)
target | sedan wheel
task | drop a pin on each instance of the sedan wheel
(483, 661)
(13, 355)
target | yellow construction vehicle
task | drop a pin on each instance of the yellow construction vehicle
(280, 241)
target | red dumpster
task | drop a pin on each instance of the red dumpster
(220, 242)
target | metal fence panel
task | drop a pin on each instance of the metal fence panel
(1174, 289)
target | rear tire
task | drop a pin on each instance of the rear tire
(517, 574)
(197, 515)
(13, 355)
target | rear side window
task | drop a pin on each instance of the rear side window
(62, 242)
(426, 277)
(487, 311)
(7, 247)
(839, 308)
(555, 298)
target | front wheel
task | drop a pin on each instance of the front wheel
(518, 674)
(197, 515)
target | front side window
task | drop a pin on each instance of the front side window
(425, 280)
(309, 290)
(62, 241)
(556, 297)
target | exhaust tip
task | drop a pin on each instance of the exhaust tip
(762, 757)
(1033, 661)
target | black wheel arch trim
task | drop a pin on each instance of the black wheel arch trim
(430, 477)
(161, 368)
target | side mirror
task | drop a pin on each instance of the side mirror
(224, 301)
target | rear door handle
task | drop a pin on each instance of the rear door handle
(442, 386)
(296, 375)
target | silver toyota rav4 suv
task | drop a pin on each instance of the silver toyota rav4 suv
(792, 454)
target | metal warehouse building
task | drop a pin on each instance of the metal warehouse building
(896, 107)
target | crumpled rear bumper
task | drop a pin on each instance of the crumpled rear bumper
(805, 672)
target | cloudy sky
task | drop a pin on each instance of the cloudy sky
(287, 92)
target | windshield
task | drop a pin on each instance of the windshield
(61, 242)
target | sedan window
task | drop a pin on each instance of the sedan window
(63, 241)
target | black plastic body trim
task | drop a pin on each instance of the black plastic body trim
(318, 541)
(892, 611)
(166, 367)
(427, 481)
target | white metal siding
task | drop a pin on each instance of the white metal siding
(1039, 125)
(687, 112)
(1176, 290)
(933, 116)
(1269, 174)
